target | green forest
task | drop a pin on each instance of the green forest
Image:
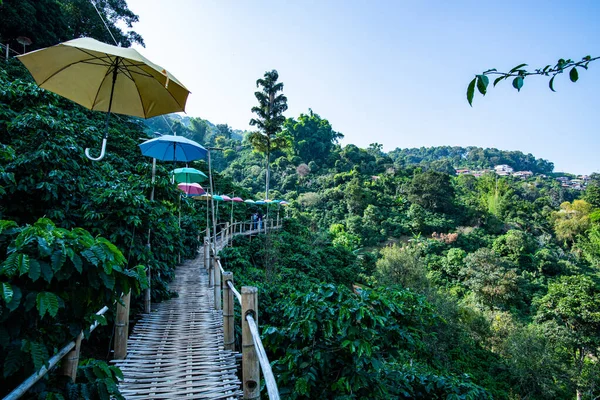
(392, 277)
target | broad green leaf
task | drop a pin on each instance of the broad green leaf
(518, 83)
(471, 91)
(12, 361)
(10, 265)
(35, 269)
(7, 292)
(47, 302)
(77, 263)
(573, 74)
(482, 83)
(23, 263)
(16, 299)
(58, 260)
(39, 354)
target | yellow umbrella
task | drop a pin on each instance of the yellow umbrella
(107, 78)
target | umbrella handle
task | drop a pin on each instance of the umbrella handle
(102, 152)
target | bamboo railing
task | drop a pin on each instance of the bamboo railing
(254, 356)
(253, 352)
(72, 349)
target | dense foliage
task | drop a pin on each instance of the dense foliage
(392, 277)
(484, 252)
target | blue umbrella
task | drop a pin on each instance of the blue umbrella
(173, 148)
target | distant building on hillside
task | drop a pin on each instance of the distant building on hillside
(523, 174)
(462, 171)
(503, 169)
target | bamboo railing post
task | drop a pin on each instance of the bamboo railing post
(211, 267)
(148, 293)
(217, 286)
(206, 251)
(228, 311)
(122, 327)
(250, 364)
(71, 360)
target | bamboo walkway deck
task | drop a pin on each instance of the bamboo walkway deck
(177, 350)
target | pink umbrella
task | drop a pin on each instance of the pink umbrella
(238, 199)
(191, 189)
(225, 197)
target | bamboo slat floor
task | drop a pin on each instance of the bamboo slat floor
(177, 350)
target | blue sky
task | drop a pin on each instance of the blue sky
(392, 72)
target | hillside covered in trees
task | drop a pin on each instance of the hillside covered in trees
(493, 259)
(392, 276)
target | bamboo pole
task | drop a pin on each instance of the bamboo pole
(228, 311)
(71, 360)
(211, 266)
(122, 327)
(250, 364)
(207, 250)
(217, 287)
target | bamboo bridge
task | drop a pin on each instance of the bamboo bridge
(185, 347)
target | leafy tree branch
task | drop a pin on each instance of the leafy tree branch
(518, 73)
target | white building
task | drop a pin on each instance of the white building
(503, 168)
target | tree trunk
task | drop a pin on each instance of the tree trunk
(268, 171)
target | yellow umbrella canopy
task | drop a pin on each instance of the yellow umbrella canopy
(107, 78)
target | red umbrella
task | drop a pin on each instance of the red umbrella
(191, 189)
(238, 199)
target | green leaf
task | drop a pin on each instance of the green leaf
(7, 292)
(91, 257)
(482, 83)
(516, 68)
(47, 273)
(23, 263)
(108, 280)
(16, 299)
(498, 80)
(47, 302)
(77, 263)
(518, 83)
(58, 260)
(551, 84)
(39, 354)
(12, 361)
(35, 270)
(471, 91)
(10, 265)
(573, 74)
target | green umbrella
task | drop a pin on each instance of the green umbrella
(189, 175)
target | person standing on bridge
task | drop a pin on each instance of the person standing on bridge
(260, 220)
(254, 221)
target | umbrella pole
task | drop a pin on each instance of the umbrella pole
(147, 293)
(112, 92)
(231, 223)
(212, 200)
